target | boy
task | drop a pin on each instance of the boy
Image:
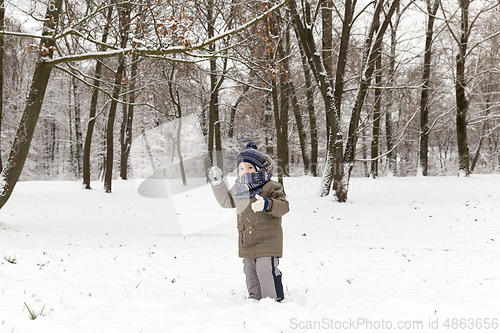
(260, 203)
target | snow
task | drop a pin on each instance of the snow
(402, 251)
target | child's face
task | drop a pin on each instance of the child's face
(245, 167)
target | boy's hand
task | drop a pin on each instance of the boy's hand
(261, 204)
(215, 175)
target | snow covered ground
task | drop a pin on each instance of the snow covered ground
(404, 254)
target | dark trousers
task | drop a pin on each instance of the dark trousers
(263, 278)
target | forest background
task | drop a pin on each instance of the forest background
(164, 89)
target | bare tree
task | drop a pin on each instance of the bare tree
(174, 96)
(306, 37)
(313, 127)
(460, 86)
(462, 97)
(234, 107)
(128, 109)
(12, 170)
(78, 128)
(377, 108)
(390, 98)
(432, 8)
(124, 12)
(484, 117)
(300, 126)
(93, 103)
(2, 18)
(339, 164)
(373, 43)
(214, 133)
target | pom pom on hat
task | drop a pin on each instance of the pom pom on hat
(251, 155)
(252, 145)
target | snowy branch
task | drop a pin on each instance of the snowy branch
(152, 52)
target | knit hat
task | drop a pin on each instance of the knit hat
(251, 155)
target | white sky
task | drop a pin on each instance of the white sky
(21, 9)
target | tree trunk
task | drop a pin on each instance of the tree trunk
(300, 126)
(291, 98)
(128, 121)
(279, 135)
(349, 8)
(334, 170)
(78, 129)
(233, 111)
(51, 145)
(377, 114)
(102, 155)
(93, 108)
(364, 150)
(124, 13)
(71, 141)
(377, 110)
(20, 147)
(179, 153)
(461, 98)
(268, 115)
(123, 145)
(108, 177)
(2, 17)
(149, 152)
(327, 39)
(327, 56)
(281, 95)
(281, 119)
(489, 105)
(334, 164)
(214, 133)
(369, 57)
(389, 130)
(479, 145)
(176, 101)
(313, 127)
(424, 98)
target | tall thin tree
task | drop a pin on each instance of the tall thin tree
(306, 37)
(78, 128)
(93, 104)
(124, 24)
(424, 97)
(176, 101)
(377, 109)
(2, 18)
(390, 97)
(460, 90)
(214, 131)
(373, 42)
(334, 169)
(128, 111)
(313, 127)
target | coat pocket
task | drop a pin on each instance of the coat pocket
(241, 236)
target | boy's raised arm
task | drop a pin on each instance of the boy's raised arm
(219, 187)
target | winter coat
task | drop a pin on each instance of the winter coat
(259, 234)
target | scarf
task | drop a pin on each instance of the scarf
(250, 184)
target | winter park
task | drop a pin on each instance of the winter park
(249, 166)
